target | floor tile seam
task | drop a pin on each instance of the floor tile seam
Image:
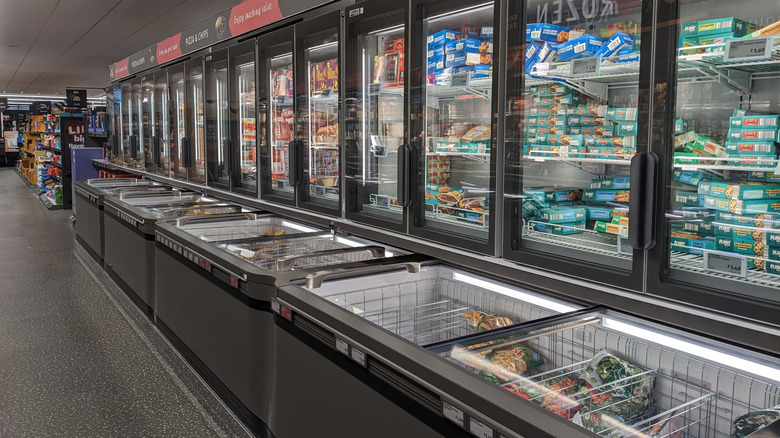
(127, 310)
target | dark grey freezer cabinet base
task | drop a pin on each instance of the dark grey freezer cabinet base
(229, 334)
(129, 260)
(89, 225)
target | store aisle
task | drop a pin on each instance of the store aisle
(76, 358)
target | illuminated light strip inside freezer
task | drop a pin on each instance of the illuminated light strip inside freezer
(533, 299)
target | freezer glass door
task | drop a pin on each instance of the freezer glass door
(124, 124)
(217, 121)
(722, 210)
(572, 129)
(619, 376)
(276, 110)
(455, 124)
(148, 129)
(162, 125)
(318, 109)
(178, 121)
(136, 157)
(375, 122)
(243, 119)
(195, 143)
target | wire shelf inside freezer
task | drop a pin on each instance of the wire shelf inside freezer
(695, 263)
(702, 397)
(588, 240)
(431, 310)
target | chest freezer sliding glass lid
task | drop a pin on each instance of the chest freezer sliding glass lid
(619, 376)
(175, 204)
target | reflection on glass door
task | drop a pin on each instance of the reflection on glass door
(217, 121)
(457, 139)
(723, 215)
(571, 132)
(282, 118)
(147, 126)
(124, 134)
(136, 158)
(178, 121)
(162, 129)
(195, 142)
(374, 123)
(243, 123)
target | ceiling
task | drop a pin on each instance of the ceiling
(49, 45)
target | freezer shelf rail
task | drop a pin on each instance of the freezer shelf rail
(698, 387)
(441, 303)
(174, 205)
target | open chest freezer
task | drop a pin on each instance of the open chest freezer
(362, 334)
(129, 223)
(215, 281)
(559, 371)
(89, 196)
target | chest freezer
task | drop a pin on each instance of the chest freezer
(89, 197)
(366, 332)
(215, 279)
(129, 223)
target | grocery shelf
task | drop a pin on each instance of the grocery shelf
(589, 157)
(49, 148)
(438, 216)
(695, 263)
(768, 164)
(481, 87)
(588, 240)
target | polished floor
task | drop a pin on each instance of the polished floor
(77, 359)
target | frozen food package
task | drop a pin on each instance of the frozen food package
(613, 391)
(509, 361)
(481, 321)
(477, 133)
(754, 421)
(670, 426)
(555, 393)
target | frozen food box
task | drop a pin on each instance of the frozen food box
(530, 53)
(561, 215)
(592, 130)
(611, 183)
(626, 128)
(584, 46)
(764, 176)
(560, 229)
(771, 120)
(467, 45)
(730, 24)
(619, 220)
(773, 238)
(441, 38)
(754, 134)
(545, 53)
(477, 71)
(744, 246)
(690, 177)
(706, 146)
(626, 142)
(752, 160)
(749, 147)
(546, 32)
(554, 194)
(772, 267)
(742, 207)
(599, 195)
(682, 126)
(685, 138)
(611, 152)
(435, 64)
(560, 99)
(486, 32)
(692, 199)
(702, 227)
(621, 114)
(628, 57)
(757, 220)
(695, 212)
(691, 244)
(456, 59)
(619, 40)
(435, 52)
(744, 190)
(738, 232)
(610, 228)
(552, 89)
(599, 213)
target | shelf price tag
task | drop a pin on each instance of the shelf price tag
(749, 49)
(453, 414)
(480, 429)
(342, 347)
(358, 356)
(723, 263)
(585, 66)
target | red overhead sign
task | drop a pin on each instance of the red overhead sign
(169, 49)
(253, 14)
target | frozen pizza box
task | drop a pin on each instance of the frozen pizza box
(755, 134)
(767, 120)
(700, 226)
(729, 24)
(709, 147)
(682, 126)
(440, 38)
(773, 268)
(744, 190)
(561, 229)
(738, 232)
(757, 220)
(554, 194)
(752, 160)
(742, 207)
(773, 253)
(744, 246)
(691, 244)
(623, 183)
(545, 32)
(750, 147)
(598, 195)
(548, 89)
(773, 238)
(561, 215)
(599, 213)
(621, 114)
(764, 176)
(626, 128)
(690, 177)
(610, 228)
(467, 45)
(584, 46)
(692, 199)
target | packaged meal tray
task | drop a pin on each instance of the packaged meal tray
(554, 393)
(481, 321)
(507, 362)
(612, 391)
(752, 422)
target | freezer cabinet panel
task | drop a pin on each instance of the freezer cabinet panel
(194, 147)
(375, 119)
(160, 147)
(217, 128)
(722, 185)
(129, 256)
(621, 376)
(243, 119)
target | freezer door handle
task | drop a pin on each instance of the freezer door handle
(156, 150)
(404, 175)
(186, 153)
(286, 263)
(643, 201)
(115, 145)
(315, 279)
(296, 162)
(133, 146)
(229, 164)
(215, 217)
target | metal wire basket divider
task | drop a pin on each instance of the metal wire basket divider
(222, 231)
(702, 397)
(431, 310)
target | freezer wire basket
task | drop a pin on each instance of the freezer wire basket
(698, 397)
(431, 310)
(239, 230)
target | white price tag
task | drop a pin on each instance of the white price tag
(585, 66)
(453, 414)
(358, 356)
(276, 307)
(748, 49)
(480, 429)
(541, 68)
(342, 347)
(731, 264)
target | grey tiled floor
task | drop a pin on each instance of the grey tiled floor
(76, 357)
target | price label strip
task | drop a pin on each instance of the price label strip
(725, 263)
(585, 66)
(749, 49)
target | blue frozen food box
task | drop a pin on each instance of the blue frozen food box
(543, 54)
(462, 57)
(544, 32)
(436, 63)
(435, 52)
(467, 45)
(486, 32)
(477, 71)
(618, 41)
(631, 57)
(586, 45)
(441, 37)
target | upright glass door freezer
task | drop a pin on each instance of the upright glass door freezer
(453, 115)
(215, 280)
(194, 144)
(276, 107)
(315, 155)
(89, 197)
(161, 124)
(134, 157)
(719, 209)
(243, 119)
(574, 124)
(129, 235)
(559, 371)
(148, 131)
(217, 120)
(364, 336)
(375, 119)
(178, 122)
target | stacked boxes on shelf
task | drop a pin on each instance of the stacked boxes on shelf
(468, 53)
(708, 32)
